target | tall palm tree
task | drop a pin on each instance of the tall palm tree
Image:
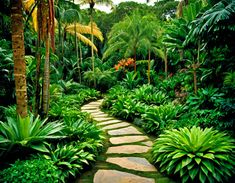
(91, 7)
(18, 56)
(43, 19)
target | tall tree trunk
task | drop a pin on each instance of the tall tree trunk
(135, 60)
(19, 57)
(92, 50)
(77, 54)
(165, 61)
(38, 71)
(195, 80)
(149, 66)
(80, 51)
(46, 81)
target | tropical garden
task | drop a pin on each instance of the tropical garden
(168, 69)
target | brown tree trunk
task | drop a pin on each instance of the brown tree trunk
(38, 71)
(46, 81)
(135, 69)
(195, 80)
(92, 50)
(19, 57)
(77, 55)
(166, 62)
(149, 67)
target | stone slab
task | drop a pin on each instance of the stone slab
(133, 163)
(88, 108)
(118, 125)
(109, 122)
(114, 176)
(100, 115)
(90, 111)
(127, 149)
(127, 139)
(125, 131)
(147, 143)
(103, 118)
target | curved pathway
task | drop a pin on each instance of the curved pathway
(125, 159)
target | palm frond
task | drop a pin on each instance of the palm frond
(83, 29)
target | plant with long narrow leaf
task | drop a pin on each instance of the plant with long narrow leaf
(70, 158)
(28, 132)
(195, 155)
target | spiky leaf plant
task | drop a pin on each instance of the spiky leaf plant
(195, 155)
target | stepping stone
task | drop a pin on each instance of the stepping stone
(125, 131)
(147, 143)
(102, 118)
(133, 163)
(109, 122)
(90, 111)
(127, 139)
(114, 176)
(100, 115)
(88, 107)
(123, 124)
(128, 149)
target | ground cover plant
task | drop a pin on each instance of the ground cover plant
(195, 154)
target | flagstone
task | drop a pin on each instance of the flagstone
(147, 143)
(127, 139)
(133, 163)
(100, 115)
(127, 149)
(109, 122)
(103, 118)
(114, 176)
(119, 125)
(125, 131)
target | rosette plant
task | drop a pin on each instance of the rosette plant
(195, 155)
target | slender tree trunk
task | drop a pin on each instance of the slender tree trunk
(195, 80)
(92, 49)
(46, 81)
(38, 71)
(149, 67)
(135, 69)
(18, 56)
(196, 66)
(80, 51)
(77, 54)
(165, 61)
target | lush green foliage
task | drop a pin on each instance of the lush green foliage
(32, 171)
(195, 155)
(70, 159)
(161, 117)
(28, 132)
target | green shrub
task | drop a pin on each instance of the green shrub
(28, 132)
(84, 131)
(70, 158)
(195, 155)
(149, 95)
(159, 118)
(113, 94)
(31, 171)
(206, 98)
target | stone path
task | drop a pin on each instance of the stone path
(125, 159)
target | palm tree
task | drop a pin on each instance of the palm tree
(91, 7)
(18, 56)
(43, 19)
(127, 36)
